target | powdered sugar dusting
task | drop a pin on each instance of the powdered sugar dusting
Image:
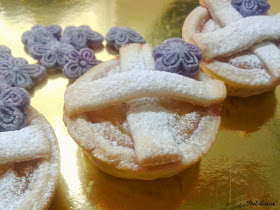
(202, 137)
(185, 125)
(222, 8)
(247, 61)
(13, 188)
(252, 76)
(270, 55)
(119, 156)
(210, 26)
(128, 62)
(26, 144)
(150, 125)
(111, 133)
(234, 37)
(126, 86)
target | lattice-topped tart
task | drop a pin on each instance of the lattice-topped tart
(240, 49)
(140, 123)
(29, 153)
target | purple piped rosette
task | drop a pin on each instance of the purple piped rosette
(118, 36)
(177, 56)
(41, 35)
(52, 54)
(55, 30)
(5, 53)
(81, 37)
(251, 7)
(77, 63)
(14, 103)
(4, 49)
(16, 72)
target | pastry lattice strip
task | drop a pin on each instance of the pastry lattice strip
(238, 36)
(148, 121)
(125, 86)
(224, 14)
(28, 143)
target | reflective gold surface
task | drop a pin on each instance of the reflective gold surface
(243, 164)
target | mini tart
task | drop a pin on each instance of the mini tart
(29, 165)
(242, 52)
(138, 123)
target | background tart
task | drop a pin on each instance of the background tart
(28, 179)
(247, 66)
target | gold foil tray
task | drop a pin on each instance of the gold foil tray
(243, 166)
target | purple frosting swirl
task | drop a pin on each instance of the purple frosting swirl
(78, 63)
(250, 7)
(118, 36)
(177, 56)
(5, 53)
(81, 37)
(17, 72)
(14, 103)
(52, 54)
(40, 35)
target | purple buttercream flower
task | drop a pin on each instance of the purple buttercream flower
(52, 54)
(78, 63)
(5, 53)
(41, 35)
(81, 37)
(250, 7)
(5, 49)
(14, 103)
(17, 72)
(177, 56)
(118, 36)
(55, 30)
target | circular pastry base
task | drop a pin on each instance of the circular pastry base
(123, 163)
(142, 173)
(43, 190)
